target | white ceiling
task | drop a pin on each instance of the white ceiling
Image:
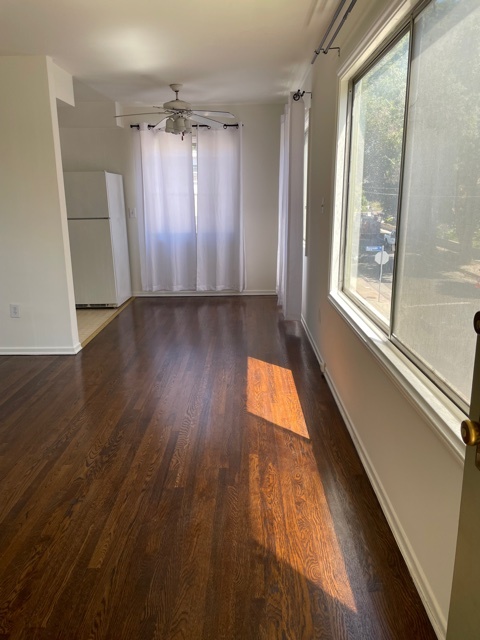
(247, 51)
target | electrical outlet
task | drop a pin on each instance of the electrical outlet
(15, 311)
(132, 213)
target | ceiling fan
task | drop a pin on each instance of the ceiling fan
(179, 115)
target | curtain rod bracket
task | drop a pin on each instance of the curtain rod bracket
(299, 94)
(328, 47)
(325, 51)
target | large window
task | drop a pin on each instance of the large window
(412, 232)
(378, 112)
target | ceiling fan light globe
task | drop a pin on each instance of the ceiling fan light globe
(188, 126)
(170, 126)
(179, 125)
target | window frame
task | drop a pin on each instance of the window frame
(388, 45)
(306, 155)
(442, 408)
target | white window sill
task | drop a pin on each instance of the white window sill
(442, 415)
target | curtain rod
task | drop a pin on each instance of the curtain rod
(206, 126)
(320, 48)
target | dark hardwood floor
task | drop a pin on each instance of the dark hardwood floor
(169, 483)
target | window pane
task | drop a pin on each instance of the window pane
(374, 175)
(438, 287)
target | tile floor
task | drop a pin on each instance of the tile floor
(92, 321)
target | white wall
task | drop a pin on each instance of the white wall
(35, 267)
(261, 153)
(90, 140)
(89, 136)
(63, 85)
(417, 477)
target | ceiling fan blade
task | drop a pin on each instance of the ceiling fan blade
(160, 122)
(144, 113)
(219, 114)
(208, 121)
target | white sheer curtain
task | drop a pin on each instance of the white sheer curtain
(166, 211)
(290, 211)
(220, 240)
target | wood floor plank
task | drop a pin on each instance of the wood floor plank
(188, 476)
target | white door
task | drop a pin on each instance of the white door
(464, 616)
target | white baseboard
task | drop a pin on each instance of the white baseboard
(422, 585)
(321, 362)
(430, 603)
(201, 294)
(40, 351)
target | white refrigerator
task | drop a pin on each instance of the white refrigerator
(98, 238)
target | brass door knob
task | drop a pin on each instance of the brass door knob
(470, 432)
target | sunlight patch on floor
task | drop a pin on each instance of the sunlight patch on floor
(301, 502)
(310, 550)
(272, 395)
